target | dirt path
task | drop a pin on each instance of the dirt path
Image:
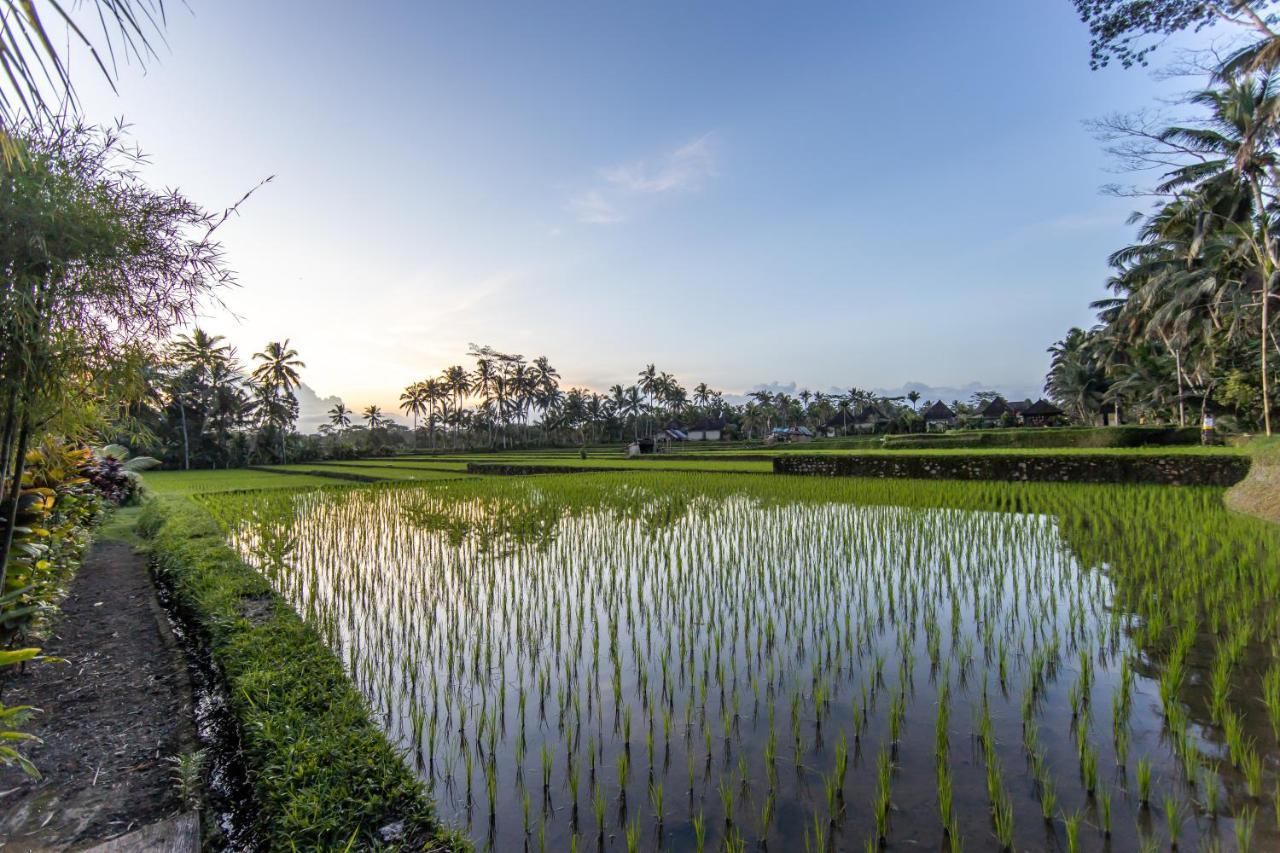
(112, 715)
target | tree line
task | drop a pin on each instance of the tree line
(1189, 327)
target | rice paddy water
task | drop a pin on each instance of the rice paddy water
(714, 662)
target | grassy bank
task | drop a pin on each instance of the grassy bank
(1259, 493)
(324, 776)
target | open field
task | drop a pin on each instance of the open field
(195, 482)
(423, 467)
(696, 658)
(373, 470)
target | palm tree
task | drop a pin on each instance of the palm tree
(277, 371)
(1075, 380)
(201, 350)
(648, 381)
(434, 394)
(458, 382)
(278, 366)
(340, 417)
(229, 405)
(200, 355)
(482, 383)
(373, 415)
(633, 405)
(914, 396)
(1233, 159)
(752, 417)
(413, 402)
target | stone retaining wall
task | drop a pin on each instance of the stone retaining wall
(1178, 470)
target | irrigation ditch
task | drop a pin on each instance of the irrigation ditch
(230, 813)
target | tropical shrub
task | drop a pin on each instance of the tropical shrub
(13, 716)
(115, 475)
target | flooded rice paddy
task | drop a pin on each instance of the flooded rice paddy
(695, 662)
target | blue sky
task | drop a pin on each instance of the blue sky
(832, 194)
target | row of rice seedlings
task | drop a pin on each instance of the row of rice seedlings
(549, 631)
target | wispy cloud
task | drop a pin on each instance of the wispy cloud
(686, 168)
(592, 207)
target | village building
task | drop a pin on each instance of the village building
(790, 435)
(707, 429)
(1041, 413)
(939, 417)
(868, 419)
(994, 412)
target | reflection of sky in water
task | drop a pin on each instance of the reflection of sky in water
(485, 631)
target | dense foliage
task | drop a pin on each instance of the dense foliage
(1129, 30)
(94, 264)
(1191, 327)
(198, 407)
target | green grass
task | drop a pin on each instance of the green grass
(324, 775)
(235, 479)
(426, 465)
(442, 467)
(330, 473)
(121, 525)
(659, 464)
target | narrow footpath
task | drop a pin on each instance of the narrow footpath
(112, 717)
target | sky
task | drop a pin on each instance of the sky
(829, 194)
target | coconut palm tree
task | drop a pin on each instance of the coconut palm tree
(373, 415)
(278, 366)
(413, 402)
(702, 394)
(199, 355)
(1075, 379)
(340, 417)
(1235, 161)
(633, 406)
(277, 371)
(458, 381)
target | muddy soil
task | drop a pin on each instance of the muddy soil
(112, 715)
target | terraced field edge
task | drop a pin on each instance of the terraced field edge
(323, 774)
(1182, 470)
(1259, 493)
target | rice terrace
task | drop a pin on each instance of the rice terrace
(434, 488)
(667, 660)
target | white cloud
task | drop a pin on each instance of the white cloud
(687, 168)
(593, 208)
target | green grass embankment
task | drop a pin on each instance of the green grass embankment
(324, 775)
(1258, 494)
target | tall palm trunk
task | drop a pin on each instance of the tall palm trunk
(186, 446)
(1268, 272)
(1182, 409)
(1266, 327)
